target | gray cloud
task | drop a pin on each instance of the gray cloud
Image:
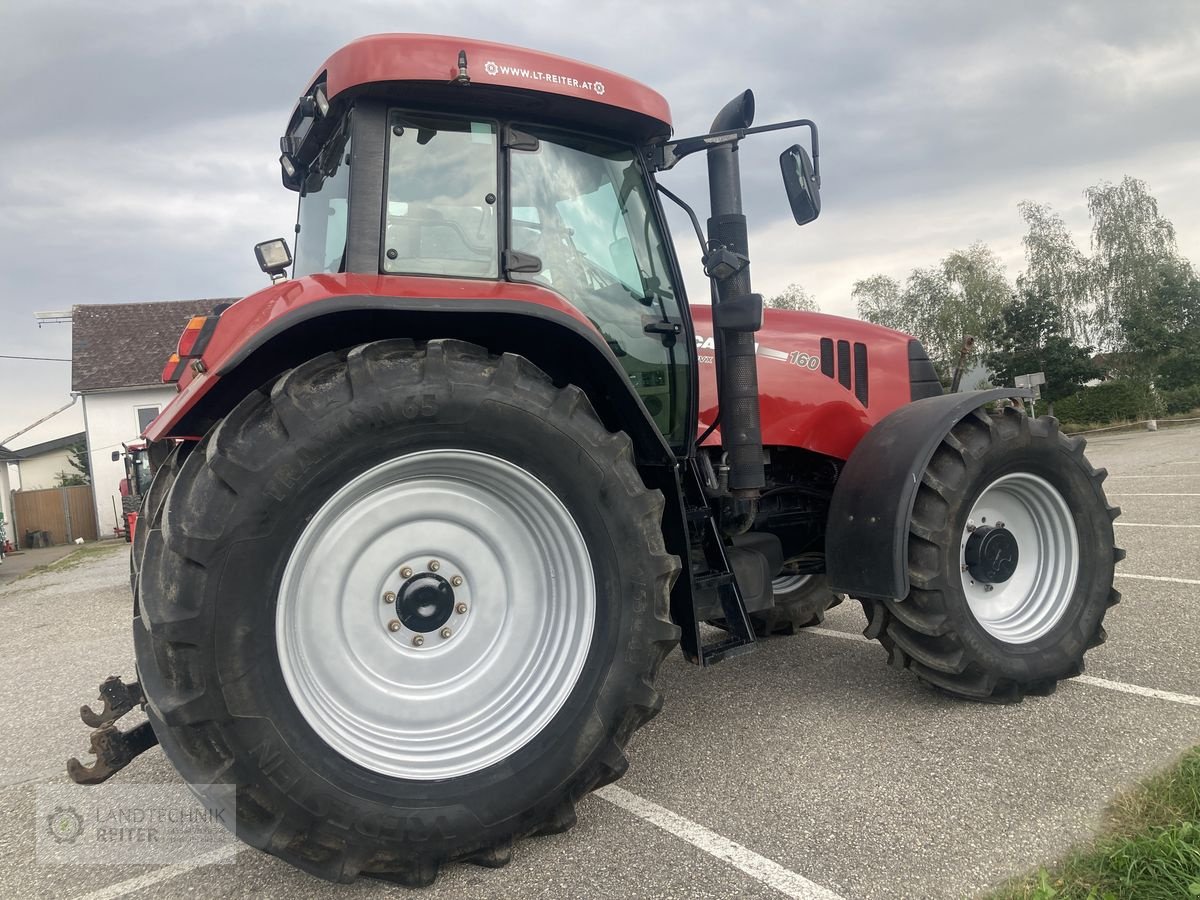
(137, 142)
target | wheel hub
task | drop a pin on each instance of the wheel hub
(991, 554)
(425, 603)
(1019, 557)
(435, 614)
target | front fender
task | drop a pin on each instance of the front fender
(866, 539)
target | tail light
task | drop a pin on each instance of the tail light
(173, 370)
(196, 335)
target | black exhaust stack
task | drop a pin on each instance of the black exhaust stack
(737, 315)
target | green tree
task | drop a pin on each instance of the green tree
(1028, 336)
(794, 297)
(1160, 336)
(877, 300)
(77, 459)
(1130, 240)
(1056, 270)
(942, 304)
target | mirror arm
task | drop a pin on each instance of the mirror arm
(691, 215)
(665, 156)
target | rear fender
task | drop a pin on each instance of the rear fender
(866, 540)
(565, 348)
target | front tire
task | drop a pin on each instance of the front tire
(1017, 622)
(269, 658)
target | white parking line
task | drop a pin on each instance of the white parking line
(757, 867)
(1124, 688)
(1150, 525)
(1158, 578)
(1181, 475)
(1129, 494)
(123, 888)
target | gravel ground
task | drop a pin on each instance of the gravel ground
(810, 752)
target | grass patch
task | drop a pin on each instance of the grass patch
(1149, 849)
(78, 557)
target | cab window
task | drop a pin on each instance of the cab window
(441, 197)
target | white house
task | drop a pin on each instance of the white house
(41, 465)
(118, 351)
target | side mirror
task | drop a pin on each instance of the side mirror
(273, 257)
(116, 455)
(802, 183)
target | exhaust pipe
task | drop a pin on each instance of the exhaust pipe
(741, 429)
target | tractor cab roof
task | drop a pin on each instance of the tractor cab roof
(451, 74)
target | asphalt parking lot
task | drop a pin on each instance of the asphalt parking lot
(806, 769)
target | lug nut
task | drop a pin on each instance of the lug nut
(456, 581)
(445, 632)
(970, 527)
(418, 640)
(389, 597)
(434, 565)
(394, 625)
(406, 572)
(999, 524)
(461, 608)
(987, 587)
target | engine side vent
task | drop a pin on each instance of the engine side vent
(922, 376)
(860, 373)
(843, 363)
(827, 356)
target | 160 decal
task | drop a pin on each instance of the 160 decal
(796, 357)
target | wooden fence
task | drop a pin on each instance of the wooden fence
(66, 513)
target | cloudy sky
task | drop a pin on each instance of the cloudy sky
(138, 140)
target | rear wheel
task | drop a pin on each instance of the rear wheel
(1011, 562)
(411, 602)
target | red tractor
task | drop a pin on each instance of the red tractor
(138, 476)
(428, 514)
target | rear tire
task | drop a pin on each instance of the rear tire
(1021, 635)
(213, 598)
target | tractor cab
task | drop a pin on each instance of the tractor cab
(419, 156)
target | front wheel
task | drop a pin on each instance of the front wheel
(1011, 560)
(411, 601)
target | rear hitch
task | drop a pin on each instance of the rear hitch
(114, 749)
(118, 698)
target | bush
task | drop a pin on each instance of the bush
(1119, 400)
(1182, 401)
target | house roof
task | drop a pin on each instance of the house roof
(47, 446)
(7, 455)
(120, 345)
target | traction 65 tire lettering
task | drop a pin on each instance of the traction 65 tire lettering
(411, 601)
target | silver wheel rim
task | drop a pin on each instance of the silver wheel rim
(521, 622)
(785, 584)
(1034, 599)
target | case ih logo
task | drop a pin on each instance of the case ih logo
(493, 68)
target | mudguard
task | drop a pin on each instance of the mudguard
(282, 326)
(866, 541)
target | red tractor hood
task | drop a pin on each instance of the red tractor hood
(823, 380)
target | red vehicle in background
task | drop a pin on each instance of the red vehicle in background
(135, 484)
